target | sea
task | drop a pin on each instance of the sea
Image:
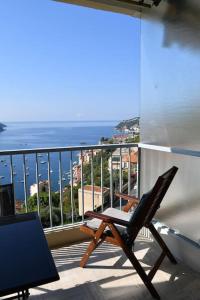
(34, 135)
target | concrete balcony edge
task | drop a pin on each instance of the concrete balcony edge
(64, 236)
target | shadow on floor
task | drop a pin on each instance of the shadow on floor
(175, 282)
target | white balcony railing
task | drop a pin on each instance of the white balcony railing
(62, 183)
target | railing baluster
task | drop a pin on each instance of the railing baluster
(38, 184)
(92, 179)
(102, 195)
(82, 186)
(24, 154)
(138, 172)
(0, 177)
(25, 182)
(111, 181)
(61, 188)
(120, 177)
(50, 196)
(129, 172)
(11, 169)
(72, 186)
(12, 179)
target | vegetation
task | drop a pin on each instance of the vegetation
(135, 139)
(100, 161)
(132, 133)
(97, 170)
(56, 210)
(44, 200)
(130, 139)
(67, 208)
(128, 123)
(105, 140)
(106, 174)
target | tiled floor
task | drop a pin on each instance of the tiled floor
(110, 276)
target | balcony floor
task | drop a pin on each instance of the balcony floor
(110, 276)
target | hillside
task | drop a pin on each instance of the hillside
(2, 127)
(128, 124)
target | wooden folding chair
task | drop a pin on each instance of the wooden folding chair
(122, 227)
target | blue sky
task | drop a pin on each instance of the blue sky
(62, 62)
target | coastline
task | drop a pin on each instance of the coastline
(45, 135)
(2, 127)
(50, 135)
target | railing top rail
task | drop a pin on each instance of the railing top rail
(173, 150)
(68, 148)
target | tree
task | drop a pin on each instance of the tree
(135, 139)
(56, 216)
(44, 200)
(97, 170)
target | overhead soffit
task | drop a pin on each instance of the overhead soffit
(129, 7)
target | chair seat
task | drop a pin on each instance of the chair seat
(113, 212)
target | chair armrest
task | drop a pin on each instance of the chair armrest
(106, 219)
(127, 197)
(132, 201)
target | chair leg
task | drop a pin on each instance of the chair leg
(142, 273)
(87, 254)
(130, 255)
(162, 244)
(93, 245)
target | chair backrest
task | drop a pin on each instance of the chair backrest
(150, 202)
(7, 203)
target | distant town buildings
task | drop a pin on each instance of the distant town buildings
(121, 138)
(76, 175)
(114, 162)
(132, 129)
(129, 130)
(88, 198)
(87, 155)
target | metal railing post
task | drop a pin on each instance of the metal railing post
(82, 186)
(25, 183)
(102, 194)
(61, 188)
(139, 173)
(38, 184)
(72, 186)
(50, 195)
(49, 184)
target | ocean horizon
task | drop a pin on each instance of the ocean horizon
(34, 135)
(28, 135)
